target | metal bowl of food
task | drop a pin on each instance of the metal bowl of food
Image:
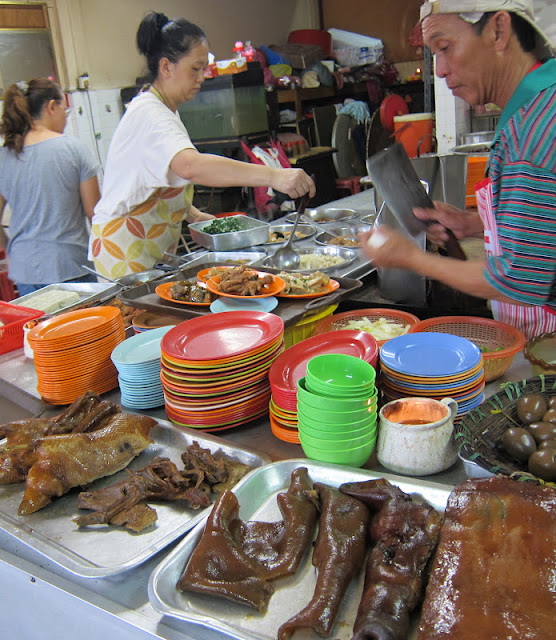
(281, 232)
(339, 237)
(227, 234)
(329, 214)
(133, 279)
(325, 259)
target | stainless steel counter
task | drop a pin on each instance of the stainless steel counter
(37, 595)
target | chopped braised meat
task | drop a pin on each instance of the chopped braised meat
(339, 553)
(237, 560)
(242, 281)
(404, 534)
(203, 473)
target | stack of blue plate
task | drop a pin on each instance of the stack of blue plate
(137, 360)
(433, 365)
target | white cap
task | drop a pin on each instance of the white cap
(472, 10)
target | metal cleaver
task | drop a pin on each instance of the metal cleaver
(398, 183)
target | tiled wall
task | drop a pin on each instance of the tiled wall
(94, 118)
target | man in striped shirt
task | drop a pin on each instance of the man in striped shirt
(492, 51)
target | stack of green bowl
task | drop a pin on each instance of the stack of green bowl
(336, 409)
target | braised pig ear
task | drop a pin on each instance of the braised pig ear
(219, 566)
(338, 554)
(237, 559)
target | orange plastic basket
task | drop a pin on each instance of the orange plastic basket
(340, 320)
(498, 341)
(14, 317)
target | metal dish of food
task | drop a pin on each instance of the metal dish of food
(133, 279)
(369, 220)
(340, 237)
(326, 258)
(250, 232)
(322, 216)
(281, 232)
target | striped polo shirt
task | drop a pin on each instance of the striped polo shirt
(522, 168)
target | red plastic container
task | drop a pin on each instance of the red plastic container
(14, 317)
(312, 36)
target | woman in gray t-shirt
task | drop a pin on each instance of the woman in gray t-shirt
(50, 182)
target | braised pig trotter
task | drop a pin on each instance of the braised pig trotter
(338, 554)
(74, 459)
(404, 535)
(492, 577)
(237, 560)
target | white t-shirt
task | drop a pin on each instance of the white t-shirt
(144, 144)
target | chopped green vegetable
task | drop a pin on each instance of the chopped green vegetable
(225, 225)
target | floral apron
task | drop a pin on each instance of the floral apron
(135, 241)
(531, 320)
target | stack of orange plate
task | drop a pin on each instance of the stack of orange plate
(72, 353)
(214, 369)
(292, 364)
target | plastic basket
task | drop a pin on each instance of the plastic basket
(14, 317)
(498, 341)
(306, 326)
(479, 432)
(340, 320)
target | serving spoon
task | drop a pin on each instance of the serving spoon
(286, 258)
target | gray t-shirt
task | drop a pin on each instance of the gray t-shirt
(48, 233)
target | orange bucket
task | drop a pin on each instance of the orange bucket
(414, 131)
(476, 167)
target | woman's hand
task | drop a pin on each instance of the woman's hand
(388, 248)
(463, 224)
(195, 215)
(294, 182)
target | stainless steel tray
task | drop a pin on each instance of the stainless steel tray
(324, 215)
(257, 498)
(291, 310)
(256, 233)
(98, 552)
(348, 255)
(306, 229)
(87, 292)
(211, 257)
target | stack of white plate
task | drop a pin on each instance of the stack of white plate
(137, 360)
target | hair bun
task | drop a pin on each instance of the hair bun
(161, 20)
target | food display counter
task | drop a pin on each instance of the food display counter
(40, 597)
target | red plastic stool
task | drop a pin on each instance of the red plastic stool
(351, 184)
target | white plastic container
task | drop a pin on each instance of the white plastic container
(354, 49)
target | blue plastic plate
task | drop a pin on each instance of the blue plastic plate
(430, 354)
(236, 304)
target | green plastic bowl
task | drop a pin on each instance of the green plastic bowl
(335, 436)
(334, 445)
(333, 404)
(355, 457)
(337, 392)
(335, 427)
(340, 372)
(344, 418)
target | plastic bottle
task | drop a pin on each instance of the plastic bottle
(249, 51)
(238, 49)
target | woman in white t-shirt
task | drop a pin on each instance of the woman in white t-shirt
(152, 163)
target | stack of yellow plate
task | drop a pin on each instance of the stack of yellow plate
(72, 353)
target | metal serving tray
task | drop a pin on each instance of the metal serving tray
(98, 552)
(291, 310)
(348, 255)
(87, 291)
(306, 229)
(257, 498)
(325, 215)
(256, 233)
(214, 257)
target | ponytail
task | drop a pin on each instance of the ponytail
(23, 103)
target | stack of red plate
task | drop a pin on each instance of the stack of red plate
(214, 369)
(290, 367)
(72, 353)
